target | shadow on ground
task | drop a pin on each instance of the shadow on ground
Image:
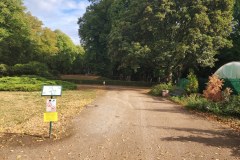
(220, 138)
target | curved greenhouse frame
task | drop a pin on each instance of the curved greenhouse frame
(229, 71)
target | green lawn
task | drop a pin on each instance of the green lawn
(31, 83)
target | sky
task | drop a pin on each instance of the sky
(59, 14)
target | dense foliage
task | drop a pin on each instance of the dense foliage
(155, 40)
(127, 40)
(157, 89)
(192, 85)
(24, 39)
(94, 30)
(227, 108)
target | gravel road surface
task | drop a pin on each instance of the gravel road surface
(129, 124)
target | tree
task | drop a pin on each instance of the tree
(43, 40)
(155, 39)
(14, 32)
(94, 28)
(227, 54)
(232, 54)
(179, 34)
(23, 36)
(79, 65)
(68, 55)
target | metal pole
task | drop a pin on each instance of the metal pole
(50, 129)
(50, 125)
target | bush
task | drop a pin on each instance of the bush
(33, 83)
(197, 102)
(214, 91)
(157, 90)
(192, 85)
(31, 68)
(231, 107)
(4, 69)
(193, 101)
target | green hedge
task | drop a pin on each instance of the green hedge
(31, 83)
(111, 82)
(31, 68)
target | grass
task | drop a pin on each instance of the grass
(31, 83)
(22, 112)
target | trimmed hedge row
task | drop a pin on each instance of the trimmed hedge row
(111, 82)
(31, 68)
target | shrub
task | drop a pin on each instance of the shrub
(31, 68)
(197, 102)
(192, 85)
(230, 107)
(214, 91)
(193, 101)
(4, 69)
(157, 90)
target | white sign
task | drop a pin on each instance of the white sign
(51, 105)
(52, 91)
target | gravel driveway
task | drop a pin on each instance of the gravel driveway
(126, 123)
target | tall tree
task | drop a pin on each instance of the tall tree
(14, 32)
(94, 28)
(67, 54)
(43, 40)
(232, 54)
(150, 39)
(179, 34)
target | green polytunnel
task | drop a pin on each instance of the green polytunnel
(229, 71)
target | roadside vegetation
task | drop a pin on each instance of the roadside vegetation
(230, 107)
(215, 99)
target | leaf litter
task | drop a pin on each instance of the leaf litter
(22, 114)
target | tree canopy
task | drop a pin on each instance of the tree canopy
(24, 39)
(156, 39)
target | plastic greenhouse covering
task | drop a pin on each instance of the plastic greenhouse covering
(229, 71)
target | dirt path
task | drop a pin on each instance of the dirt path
(128, 124)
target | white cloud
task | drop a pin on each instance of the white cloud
(59, 14)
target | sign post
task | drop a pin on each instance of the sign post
(51, 115)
